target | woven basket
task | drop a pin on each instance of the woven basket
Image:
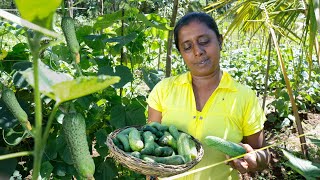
(149, 168)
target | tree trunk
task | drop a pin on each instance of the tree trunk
(170, 37)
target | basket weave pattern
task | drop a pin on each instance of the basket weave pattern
(149, 168)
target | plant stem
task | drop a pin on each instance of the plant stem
(38, 151)
(47, 130)
(13, 155)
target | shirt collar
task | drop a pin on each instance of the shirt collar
(227, 82)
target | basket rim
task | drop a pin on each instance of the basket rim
(150, 168)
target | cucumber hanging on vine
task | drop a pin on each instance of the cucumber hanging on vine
(67, 25)
(13, 105)
(74, 128)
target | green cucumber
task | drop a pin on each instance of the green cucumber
(227, 147)
(123, 138)
(163, 151)
(168, 140)
(74, 128)
(193, 149)
(170, 160)
(149, 144)
(159, 126)
(13, 105)
(174, 131)
(67, 25)
(135, 141)
(184, 147)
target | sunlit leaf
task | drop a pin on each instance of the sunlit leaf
(62, 87)
(39, 12)
(310, 170)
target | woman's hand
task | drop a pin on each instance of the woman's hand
(247, 163)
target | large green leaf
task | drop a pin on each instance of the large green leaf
(107, 170)
(46, 169)
(310, 170)
(39, 12)
(62, 87)
(18, 79)
(118, 116)
(122, 71)
(7, 166)
(135, 114)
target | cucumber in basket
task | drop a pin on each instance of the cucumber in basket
(158, 143)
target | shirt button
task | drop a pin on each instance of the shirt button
(194, 117)
(201, 118)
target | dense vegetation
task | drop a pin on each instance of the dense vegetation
(129, 39)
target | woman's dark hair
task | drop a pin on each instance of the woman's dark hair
(191, 17)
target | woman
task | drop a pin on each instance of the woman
(207, 102)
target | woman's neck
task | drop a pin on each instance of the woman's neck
(207, 82)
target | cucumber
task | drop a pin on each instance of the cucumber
(74, 128)
(135, 141)
(126, 131)
(124, 139)
(149, 144)
(67, 25)
(174, 131)
(227, 147)
(163, 151)
(159, 126)
(149, 128)
(184, 147)
(170, 160)
(135, 154)
(193, 149)
(117, 143)
(168, 140)
(13, 105)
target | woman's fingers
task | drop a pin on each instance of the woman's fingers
(247, 163)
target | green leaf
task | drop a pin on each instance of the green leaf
(46, 169)
(51, 148)
(135, 114)
(146, 21)
(122, 71)
(308, 169)
(107, 170)
(315, 141)
(62, 87)
(101, 137)
(39, 12)
(118, 116)
(107, 20)
(7, 166)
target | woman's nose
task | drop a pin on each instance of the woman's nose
(198, 50)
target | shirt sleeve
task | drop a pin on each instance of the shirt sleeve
(155, 97)
(254, 116)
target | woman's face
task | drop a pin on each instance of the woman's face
(200, 49)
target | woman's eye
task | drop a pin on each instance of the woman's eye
(186, 47)
(204, 40)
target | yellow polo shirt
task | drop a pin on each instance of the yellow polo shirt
(231, 112)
